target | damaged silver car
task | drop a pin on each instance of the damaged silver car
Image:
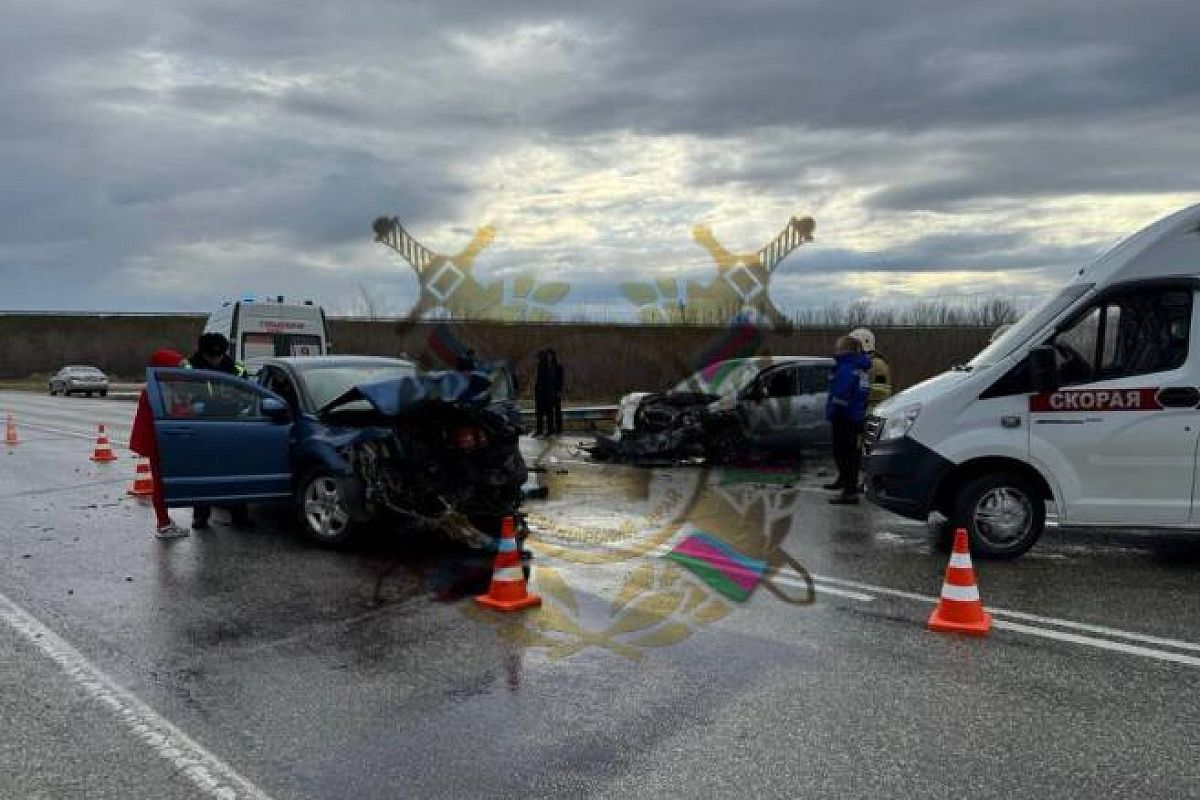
(725, 411)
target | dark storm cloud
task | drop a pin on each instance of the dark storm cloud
(135, 136)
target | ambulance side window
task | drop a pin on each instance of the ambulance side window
(1135, 333)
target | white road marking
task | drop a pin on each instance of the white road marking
(213, 777)
(1103, 644)
(1162, 655)
(824, 589)
(41, 428)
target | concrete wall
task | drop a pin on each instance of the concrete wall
(601, 361)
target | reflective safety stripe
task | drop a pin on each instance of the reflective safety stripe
(961, 560)
(507, 545)
(961, 593)
(508, 574)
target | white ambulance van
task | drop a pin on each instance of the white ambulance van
(1091, 401)
(268, 328)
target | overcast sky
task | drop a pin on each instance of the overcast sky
(159, 155)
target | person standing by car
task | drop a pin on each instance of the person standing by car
(845, 408)
(881, 373)
(142, 441)
(556, 371)
(212, 353)
(543, 393)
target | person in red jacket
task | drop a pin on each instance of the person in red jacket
(142, 442)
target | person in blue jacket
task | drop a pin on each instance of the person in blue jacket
(846, 408)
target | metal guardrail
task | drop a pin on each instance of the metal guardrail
(587, 416)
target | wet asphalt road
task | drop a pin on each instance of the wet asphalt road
(313, 674)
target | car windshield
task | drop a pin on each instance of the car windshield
(723, 380)
(84, 372)
(327, 383)
(1029, 324)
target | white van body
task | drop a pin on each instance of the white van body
(1112, 436)
(268, 329)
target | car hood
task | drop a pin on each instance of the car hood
(393, 397)
(924, 392)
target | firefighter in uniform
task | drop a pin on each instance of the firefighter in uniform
(880, 374)
(212, 353)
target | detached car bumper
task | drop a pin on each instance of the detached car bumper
(903, 475)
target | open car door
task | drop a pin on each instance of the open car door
(220, 438)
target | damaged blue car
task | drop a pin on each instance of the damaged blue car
(347, 440)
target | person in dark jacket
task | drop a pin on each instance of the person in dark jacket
(556, 370)
(845, 408)
(212, 353)
(543, 393)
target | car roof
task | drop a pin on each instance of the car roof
(300, 362)
(764, 361)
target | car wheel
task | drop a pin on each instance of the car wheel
(323, 511)
(104, 392)
(1003, 514)
(52, 392)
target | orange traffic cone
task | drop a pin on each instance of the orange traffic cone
(959, 610)
(143, 479)
(10, 431)
(508, 592)
(103, 452)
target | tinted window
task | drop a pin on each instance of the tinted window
(781, 382)
(1136, 333)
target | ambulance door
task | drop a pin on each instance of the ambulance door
(1120, 435)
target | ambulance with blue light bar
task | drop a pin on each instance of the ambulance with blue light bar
(1091, 401)
(271, 328)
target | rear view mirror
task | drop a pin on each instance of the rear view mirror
(275, 409)
(1043, 369)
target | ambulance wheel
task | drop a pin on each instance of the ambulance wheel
(323, 511)
(1003, 514)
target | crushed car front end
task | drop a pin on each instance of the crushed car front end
(431, 453)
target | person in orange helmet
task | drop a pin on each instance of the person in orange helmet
(142, 441)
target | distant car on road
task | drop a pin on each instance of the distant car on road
(79, 380)
(346, 439)
(765, 402)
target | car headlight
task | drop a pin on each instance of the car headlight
(899, 424)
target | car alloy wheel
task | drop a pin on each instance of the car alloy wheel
(326, 516)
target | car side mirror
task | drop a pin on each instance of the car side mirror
(275, 409)
(1043, 369)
